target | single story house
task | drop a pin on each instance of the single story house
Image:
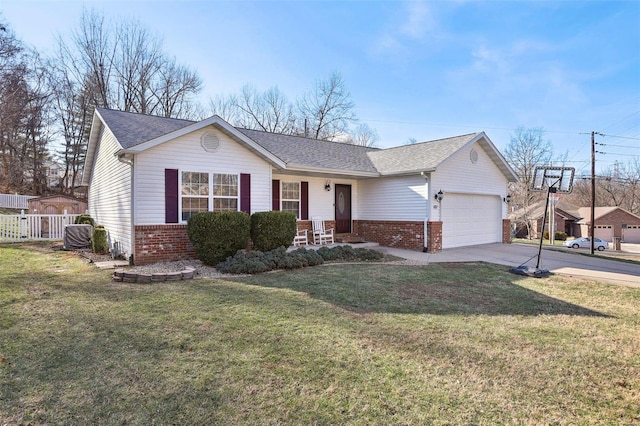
(609, 221)
(147, 175)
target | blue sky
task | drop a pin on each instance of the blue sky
(422, 70)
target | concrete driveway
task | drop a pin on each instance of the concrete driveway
(566, 262)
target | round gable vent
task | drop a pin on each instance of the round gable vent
(210, 142)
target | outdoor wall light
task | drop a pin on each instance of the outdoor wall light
(507, 199)
(327, 186)
(439, 196)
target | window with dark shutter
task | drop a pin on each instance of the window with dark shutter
(275, 195)
(245, 193)
(304, 200)
(171, 195)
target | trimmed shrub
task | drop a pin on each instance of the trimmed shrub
(218, 235)
(561, 236)
(84, 219)
(270, 230)
(254, 262)
(99, 240)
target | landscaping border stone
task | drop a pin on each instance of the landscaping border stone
(121, 275)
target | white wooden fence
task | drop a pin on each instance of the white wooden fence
(15, 201)
(25, 227)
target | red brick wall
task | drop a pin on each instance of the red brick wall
(401, 234)
(617, 218)
(506, 231)
(434, 229)
(161, 243)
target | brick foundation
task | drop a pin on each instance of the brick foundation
(506, 231)
(166, 243)
(161, 243)
(401, 234)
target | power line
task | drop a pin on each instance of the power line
(616, 145)
(617, 153)
(620, 137)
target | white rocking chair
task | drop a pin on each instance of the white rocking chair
(320, 234)
(300, 238)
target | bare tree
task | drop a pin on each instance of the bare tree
(226, 107)
(268, 111)
(527, 150)
(174, 89)
(23, 117)
(327, 110)
(363, 135)
(118, 66)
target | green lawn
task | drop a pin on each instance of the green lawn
(338, 344)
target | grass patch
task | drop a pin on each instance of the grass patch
(334, 344)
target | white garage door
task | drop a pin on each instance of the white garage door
(470, 219)
(604, 232)
(631, 234)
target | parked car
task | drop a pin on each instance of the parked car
(585, 242)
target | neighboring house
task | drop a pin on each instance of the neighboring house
(53, 173)
(147, 175)
(609, 222)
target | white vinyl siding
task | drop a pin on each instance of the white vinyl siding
(393, 198)
(472, 207)
(321, 202)
(110, 195)
(187, 154)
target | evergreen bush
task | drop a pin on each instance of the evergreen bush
(99, 240)
(561, 236)
(270, 230)
(253, 262)
(218, 235)
(84, 219)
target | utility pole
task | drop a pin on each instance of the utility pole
(593, 190)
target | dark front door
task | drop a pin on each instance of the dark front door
(343, 209)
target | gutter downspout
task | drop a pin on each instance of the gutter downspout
(128, 159)
(425, 247)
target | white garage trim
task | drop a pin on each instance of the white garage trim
(631, 234)
(604, 232)
(470, 219)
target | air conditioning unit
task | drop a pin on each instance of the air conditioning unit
(77, 236)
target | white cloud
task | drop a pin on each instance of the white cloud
(412, 24)
(418, 22)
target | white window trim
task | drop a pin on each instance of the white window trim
(210, 197)
(299, 200)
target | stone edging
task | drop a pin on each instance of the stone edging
(121, 275)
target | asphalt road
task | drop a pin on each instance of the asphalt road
(560, 261)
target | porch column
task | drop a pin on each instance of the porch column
(434, 231)
(506, 231)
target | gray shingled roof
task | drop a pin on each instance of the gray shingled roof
(297, 152)
(133, 129)
(419, 156)
(311, 153)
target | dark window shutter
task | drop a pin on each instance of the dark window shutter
(245, 193)
(304, 200)
(275, 195)
(171, 195)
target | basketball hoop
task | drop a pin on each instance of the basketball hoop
(553, 179)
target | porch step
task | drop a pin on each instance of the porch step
(349, 238)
